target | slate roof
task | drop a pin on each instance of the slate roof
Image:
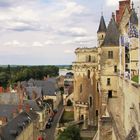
(49, 87)
(36, 105)
(15, 126)
(134, 17)
(37, 90)
(33, 115)
(6, 110)
(112, 34)
(9, 98)
(102, 26)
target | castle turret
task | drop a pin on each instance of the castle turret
(133, 16)
(112, 34)
(101, 31)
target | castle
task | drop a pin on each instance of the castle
(104, 93)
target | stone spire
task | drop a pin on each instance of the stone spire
(112, 34)
(102, 26)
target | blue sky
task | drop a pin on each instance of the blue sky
(42, 32)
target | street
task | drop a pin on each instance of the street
(50, 132)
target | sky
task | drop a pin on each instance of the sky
(47, 32)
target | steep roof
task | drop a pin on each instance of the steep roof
(31, 89)
(102, 26)
(36, 104)
(15, 126)
(6, 110)
(112, 34)
(133, 17)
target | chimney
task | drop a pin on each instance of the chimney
(20, 109)
(27, 106)
(14, 113)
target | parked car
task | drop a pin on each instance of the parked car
(48, 125)
(55, 111)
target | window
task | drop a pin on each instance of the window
(81, 88)
(115, 68)
(108, 81)
(110, 94)
(97, 87)
(110, 54)
(88, 74)
(96, 112)
(102, 36)
(90, 101)
(89, 58)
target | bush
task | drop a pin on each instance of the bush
(70, 133)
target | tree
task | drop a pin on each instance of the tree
(70, 133)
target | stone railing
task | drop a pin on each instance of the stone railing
(118, 128)
(96, 137)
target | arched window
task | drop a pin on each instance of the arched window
(88, 74)
(90, 101)
(102, 36)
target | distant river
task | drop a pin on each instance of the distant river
(64, 71)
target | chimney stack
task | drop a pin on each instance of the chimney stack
(27, 106)
(20, 109)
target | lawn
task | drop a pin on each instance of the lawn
(135, 79)
(67, 116)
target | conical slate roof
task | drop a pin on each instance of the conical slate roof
(102, 26)
(134, 17)
(112, 34)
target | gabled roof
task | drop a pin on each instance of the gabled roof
(15, 126)
(102, 26)
(133, 17)
(112, 34)
(35, 105)
(6, 110)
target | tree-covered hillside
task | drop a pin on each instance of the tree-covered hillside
(10, 75)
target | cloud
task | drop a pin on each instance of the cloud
(68, 51)
(18, 17)
(66, 42)
(75, 31)
(49, 42)
(37, 44)
(37, 24)
(68, 8)
(14, 43)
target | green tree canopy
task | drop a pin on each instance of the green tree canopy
(13, 74)
(70, 133)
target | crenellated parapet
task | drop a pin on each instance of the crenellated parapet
(86, 50)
